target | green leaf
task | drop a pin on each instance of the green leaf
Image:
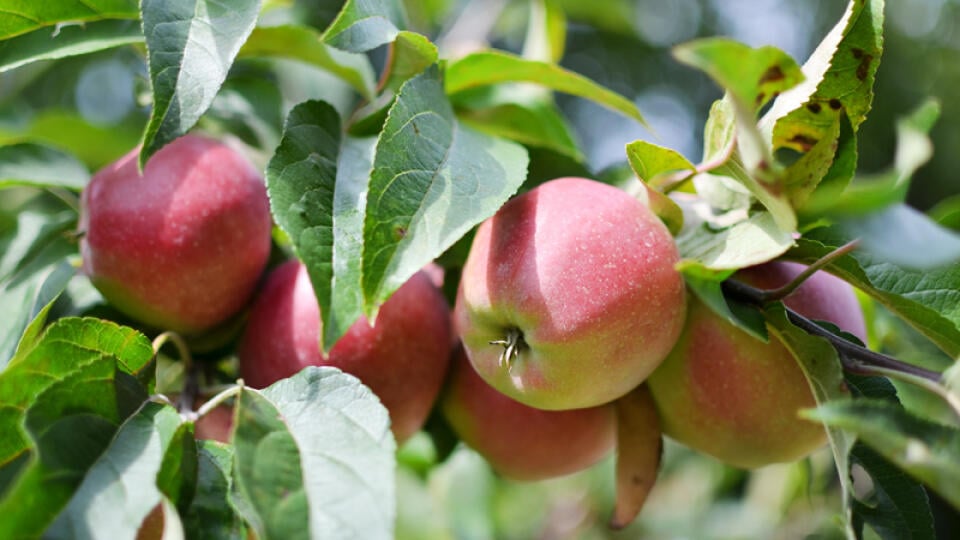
(33, 273)
(707, 285)
(315, 458)
(947, 212)
(410, 55)
(251, 107)
(892, 235)
(362, 25)
(76, 379)
(520, 113)
(71, 40)
(752, 76)
(316, 182)
(821, 365)
(928, 300)
(22, 16)
(496, 67)
(191, 45)
(177, 475)
(926, 450)
(728, 241)
(306, 45)
(897, 507)
(120, 488)
(29, 164)
(660, 170)
(546, 32)
(211, 515)
(433, 180)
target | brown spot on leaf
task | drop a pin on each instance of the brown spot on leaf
(813, 107)
(835, 104)
(772, 74)
(805, 142)
(760, 97)
(399, 232)
(858, 53)
(864, 68)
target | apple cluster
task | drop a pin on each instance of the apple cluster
(570, 299)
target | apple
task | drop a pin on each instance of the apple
(725, 393)
(569, 297)
(522, 442)
(181, 246)
(403, 357)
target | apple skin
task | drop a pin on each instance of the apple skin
(182, 246)
(586, 273)
(521, 442)
(403, 357)
(727, 394)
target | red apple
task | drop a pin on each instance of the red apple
(403, 357)
(521, 442)
(727, 394)
(181, 246)
(569, 297)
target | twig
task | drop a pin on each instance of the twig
(772, 295)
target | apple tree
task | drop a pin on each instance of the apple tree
(271, 269)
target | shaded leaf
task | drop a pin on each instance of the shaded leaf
(707, 285)
(898, 507)
(433, 180)
(496, 67)
(924, 449)
(892, 235)
(191, 45)
(29, 164)
(120, 488)
(305, 44)
(362, 25)
(211, 515)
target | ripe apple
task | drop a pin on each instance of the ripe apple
(727, 394)
(569, 297)
(181, 246)
(403, 357)
(521, 442)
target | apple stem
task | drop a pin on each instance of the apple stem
(190, 386)
(511, 346)
(773, 295)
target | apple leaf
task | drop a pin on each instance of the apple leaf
(191, 45)
(728, 241)
(707, 284)
(546, 32)
(250, 107)
(33, 273)
(495, 67)
(314, 457)
(660, 170)
(924, 449)
(26, 16)
(211, 515)
(67, 40)
(363, 25)
(79, 377)
(947, 212)
(317, 182)
(433, 180)
(306, 45)
(120, 489)
(892, 235)
(177, 477)
(928, 300)
(410, 55)
(639, 449)
(29, 164)
(821, 365)
(874, 192)
(519, 113)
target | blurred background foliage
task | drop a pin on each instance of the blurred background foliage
(95, 107)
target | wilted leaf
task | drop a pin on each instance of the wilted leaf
(29, 164)
(639, 449)
(433, 180)
(191, 45)
(926, 450)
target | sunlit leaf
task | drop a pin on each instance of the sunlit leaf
(70, 40)
(362, 25)
(25, 15)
